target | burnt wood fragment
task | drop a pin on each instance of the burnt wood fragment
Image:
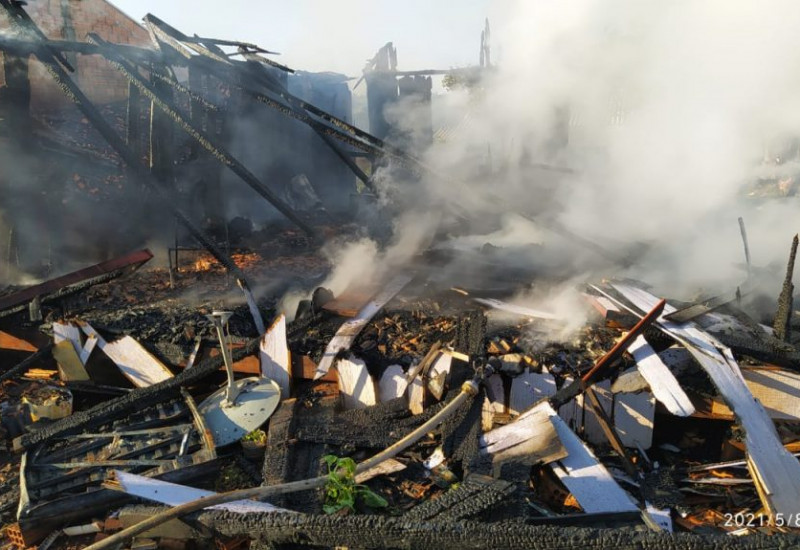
(783, 316)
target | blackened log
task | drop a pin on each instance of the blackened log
(783, 317)
(371, 531)
(476, 495)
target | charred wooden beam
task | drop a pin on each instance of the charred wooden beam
(783, 316)
(73, 282)
(371, 531)
(166, 105)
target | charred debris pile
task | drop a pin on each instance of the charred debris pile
(146, 407)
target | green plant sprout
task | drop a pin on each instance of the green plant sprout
(257, 436)
(341, 489)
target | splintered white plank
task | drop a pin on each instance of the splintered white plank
(495, 402)
(778, 470)
(173, 494)
(88, 348)
(355, 383)
(68, 331)
(585, 477)
(344, 337)
(528, 388)
(516, 309)
(530, 439)
(274, 354)
(633, 418)
(416, 395)
(393, 383)
(662, 382)
(437, 378)
(135, 362)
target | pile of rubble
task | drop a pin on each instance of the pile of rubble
(465, 423)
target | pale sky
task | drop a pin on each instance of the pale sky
(334, 35)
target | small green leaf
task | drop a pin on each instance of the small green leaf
(371, 499)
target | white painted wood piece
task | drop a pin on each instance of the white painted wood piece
(438, 374)
(389, 466)
(274, 355)
(344, 337)
(135, 362)
(393, 383)
(633, 418)
(355, 384)
(88, 348)
(416, 396)
(528, 388)
(530, 439)
(774, 466)
(68, 331)
(585, 477)
(516, 309)
(173, 494)
(664, 385)
(592, 431)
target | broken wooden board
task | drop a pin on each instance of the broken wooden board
(355, 384)
(517, 309)
(69, 332)
(586, 478)
(777, 390)
(393, 383)
(531, 439)
(344, 337)
(11, 342)
(389, 466)
(662, 382)
(70, 367)
(274, 354)
(135, 362)
(495, 402)
(529, 388)
(416, 395)
(776, 468)
(437, 377)
(634, 414)
(613, 316)
(173, 494)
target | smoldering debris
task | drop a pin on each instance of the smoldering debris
(399, 337)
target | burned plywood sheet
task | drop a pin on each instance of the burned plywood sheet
(777, 390)
(351, 328)
(776, 469)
